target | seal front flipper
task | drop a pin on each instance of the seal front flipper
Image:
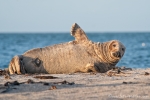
(78, 33)
(88, 68)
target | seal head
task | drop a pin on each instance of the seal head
(116, 49)
(110, 52)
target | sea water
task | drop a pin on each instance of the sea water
(137, 45)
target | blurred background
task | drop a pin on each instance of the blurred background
(27, 24)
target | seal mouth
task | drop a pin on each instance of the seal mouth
(117, 54)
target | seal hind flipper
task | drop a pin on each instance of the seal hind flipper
(78, 33)
(15, 66)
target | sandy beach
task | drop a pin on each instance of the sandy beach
(125, 85)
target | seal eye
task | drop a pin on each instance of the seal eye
(114, 45)
(37, 62)
(122, 49)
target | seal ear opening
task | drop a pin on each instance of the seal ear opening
(78, 33)
(14, 65)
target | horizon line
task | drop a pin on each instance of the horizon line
(90, 32)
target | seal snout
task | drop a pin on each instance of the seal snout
(119, 53)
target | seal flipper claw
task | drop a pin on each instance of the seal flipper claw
(78, 33)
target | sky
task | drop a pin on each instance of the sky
(59, 15)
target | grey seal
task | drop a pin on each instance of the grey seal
(79, 55)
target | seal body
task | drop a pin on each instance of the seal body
(80, 55)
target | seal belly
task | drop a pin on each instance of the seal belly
(64, 58)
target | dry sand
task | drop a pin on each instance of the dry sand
(130, 85)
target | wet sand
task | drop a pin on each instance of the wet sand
(125, 85)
